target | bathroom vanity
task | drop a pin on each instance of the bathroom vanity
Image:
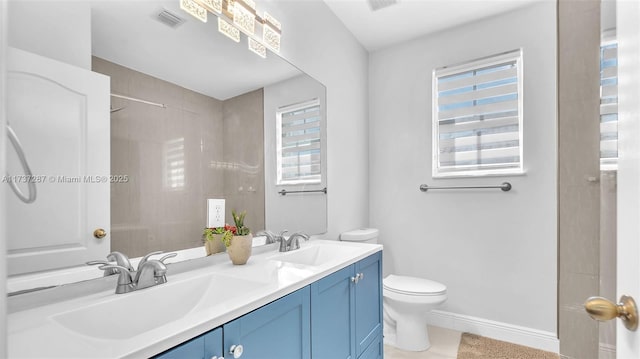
(323, 300)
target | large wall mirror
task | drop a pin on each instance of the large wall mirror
(193, 116)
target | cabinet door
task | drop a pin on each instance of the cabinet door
(280, 329)
(193, 349)
(213, 344)
(368, 298)
(333, 316)
(374, 351)
(205, 346)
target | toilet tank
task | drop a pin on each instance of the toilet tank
(364, 235)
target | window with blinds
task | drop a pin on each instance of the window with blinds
(174, 175)
(298, 137)
(609, 106)
(477, 117)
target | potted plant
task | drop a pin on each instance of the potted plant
(241, 241)
(214, 239)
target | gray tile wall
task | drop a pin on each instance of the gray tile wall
(579, 197)
(244, 147)
(147, 213)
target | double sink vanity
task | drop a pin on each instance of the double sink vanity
(323, 300)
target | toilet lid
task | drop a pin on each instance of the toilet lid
(413, 286)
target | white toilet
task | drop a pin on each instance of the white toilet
(407, 301)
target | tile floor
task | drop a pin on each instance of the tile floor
(444, 345)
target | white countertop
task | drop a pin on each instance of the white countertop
(96, 324)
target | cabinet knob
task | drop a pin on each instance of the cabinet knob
(357, 278)
(236, 351)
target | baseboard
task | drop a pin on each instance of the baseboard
(533, 338)
(607, 351)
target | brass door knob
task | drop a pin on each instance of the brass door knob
(99, 233)
(603, 309)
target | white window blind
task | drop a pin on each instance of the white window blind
(299, 137)
(174, 164)
(609, 106)
(477, 117)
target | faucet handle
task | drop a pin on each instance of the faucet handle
(165, 257)
(295, 242)
(107, 272)
(121, 259)
(301, 235)
(146, 258)
(271, 238)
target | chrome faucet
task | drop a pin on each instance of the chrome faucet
(121, 260)
(150, 272)
(293, 242)
(273, 238)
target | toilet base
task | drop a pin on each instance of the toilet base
(412, 335)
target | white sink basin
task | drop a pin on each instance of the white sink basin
(317, 255)
(124, 316)
(82, 321)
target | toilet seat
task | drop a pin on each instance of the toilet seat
(413, 286)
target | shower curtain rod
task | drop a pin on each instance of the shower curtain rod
(139, 100)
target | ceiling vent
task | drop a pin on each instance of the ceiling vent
(168, 18)
(379, 4)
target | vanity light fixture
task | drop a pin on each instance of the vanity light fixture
(214, 6)
(235, 16)
(257, 47)
(229, 30)
(244, 18)
(271, 30)
(194, 9)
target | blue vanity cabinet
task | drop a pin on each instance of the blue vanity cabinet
(346, 312)
(368, 299)
(336, 317)
(205, 346)
(280, 329)
(333, 316)
(375, 350)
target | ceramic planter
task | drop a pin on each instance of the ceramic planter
(214, 245)
(240, 249)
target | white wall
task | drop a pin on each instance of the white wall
(318, 43)
(303, 212)
(3, 237)
(495, 251)
(64, 37)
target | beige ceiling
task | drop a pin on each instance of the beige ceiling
(409, 19)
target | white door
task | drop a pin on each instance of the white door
(628, 282)
(60, 114)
